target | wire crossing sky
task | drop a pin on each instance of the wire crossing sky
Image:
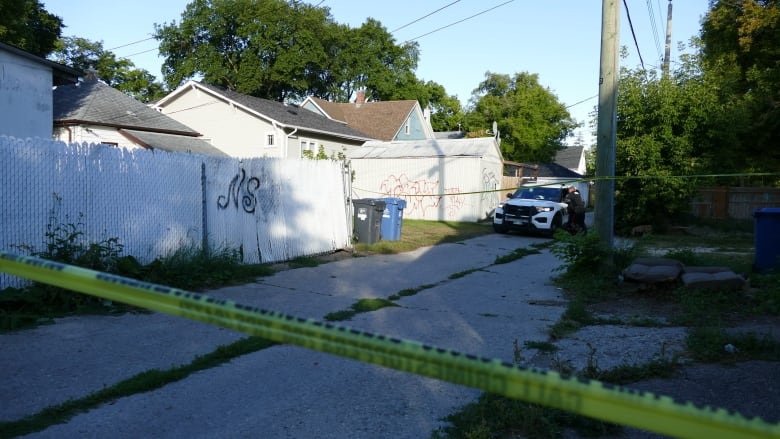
(459, 40)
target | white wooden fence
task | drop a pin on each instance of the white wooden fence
(156, 203)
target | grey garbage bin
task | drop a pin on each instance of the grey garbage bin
(767, 239)
(368, 220)
(392, 218)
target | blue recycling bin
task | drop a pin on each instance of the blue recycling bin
(767, 239)
(392, 218)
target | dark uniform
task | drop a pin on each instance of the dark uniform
(576, 210)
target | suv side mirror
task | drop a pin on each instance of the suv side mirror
(509, 195)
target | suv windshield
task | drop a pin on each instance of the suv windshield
(538, 193)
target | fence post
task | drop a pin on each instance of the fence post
(205, 222)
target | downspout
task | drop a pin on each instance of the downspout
(287, 140)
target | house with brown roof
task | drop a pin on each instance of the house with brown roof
(387, 121)
(246, 126)
(93, 112)
(26, 90)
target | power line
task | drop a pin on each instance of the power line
(631, 25)
(424, 16)
(654, 26)
(458, 22)
(582, 101)
(139, 53)
(130, 44)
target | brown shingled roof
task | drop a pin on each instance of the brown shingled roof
(380, 120)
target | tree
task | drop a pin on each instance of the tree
(446, 111)
(27, 25)
(532, 123)
(271, 49)
(285, 51)
(741, 56)
(662, 129)
(89, 56)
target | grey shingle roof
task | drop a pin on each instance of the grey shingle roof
(93, 102)
(290, 115)
(569, 157)
(551, 170)
(174, 143)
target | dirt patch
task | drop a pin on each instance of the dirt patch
(749, 388)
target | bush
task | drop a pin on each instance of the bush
(580, 252)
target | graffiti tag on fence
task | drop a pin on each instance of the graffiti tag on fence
(243, 188)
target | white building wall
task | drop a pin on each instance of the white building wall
(332, 148)
(93, 134)
(26, 97)
(229, 128)
(434, 188)
(242, 134)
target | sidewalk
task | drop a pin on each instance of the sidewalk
(286, 391)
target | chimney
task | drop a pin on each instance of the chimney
(360, 98)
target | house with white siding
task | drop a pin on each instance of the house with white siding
(94, 113)
(246, 126)
(440, 179)
(26, 90)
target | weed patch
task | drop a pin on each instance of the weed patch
(493, 416)
(518, 253)
(361, 306)
(143, 382)
(463, 273)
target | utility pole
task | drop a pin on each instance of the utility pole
(668, 48)
(607, 121)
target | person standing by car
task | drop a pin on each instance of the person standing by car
(576, 209)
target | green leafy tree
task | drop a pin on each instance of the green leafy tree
(661, 124)
(446, 111)
(120, 73)
(741, 55)
(286, 50)
(532, 123)
(27, 25)
(271, 49)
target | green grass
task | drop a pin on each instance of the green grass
(409, 292)
(420, 233)
(142, 382)
(541, 346)
(361, 306)
(516, 254)
(586, 283)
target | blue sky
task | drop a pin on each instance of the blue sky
(558, 40)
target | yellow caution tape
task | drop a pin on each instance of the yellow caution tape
(590, 398)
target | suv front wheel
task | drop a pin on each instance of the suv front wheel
(557, 222)
(500, 228)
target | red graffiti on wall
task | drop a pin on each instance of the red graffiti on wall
(421, 195)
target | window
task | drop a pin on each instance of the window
(407, 128)
(269, 140)
(307, 145)
(114, 144)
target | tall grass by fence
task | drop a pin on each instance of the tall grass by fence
(157, 202)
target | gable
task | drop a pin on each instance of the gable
(383, 120)
(571, 157)
(276, 113)
(95, 103)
